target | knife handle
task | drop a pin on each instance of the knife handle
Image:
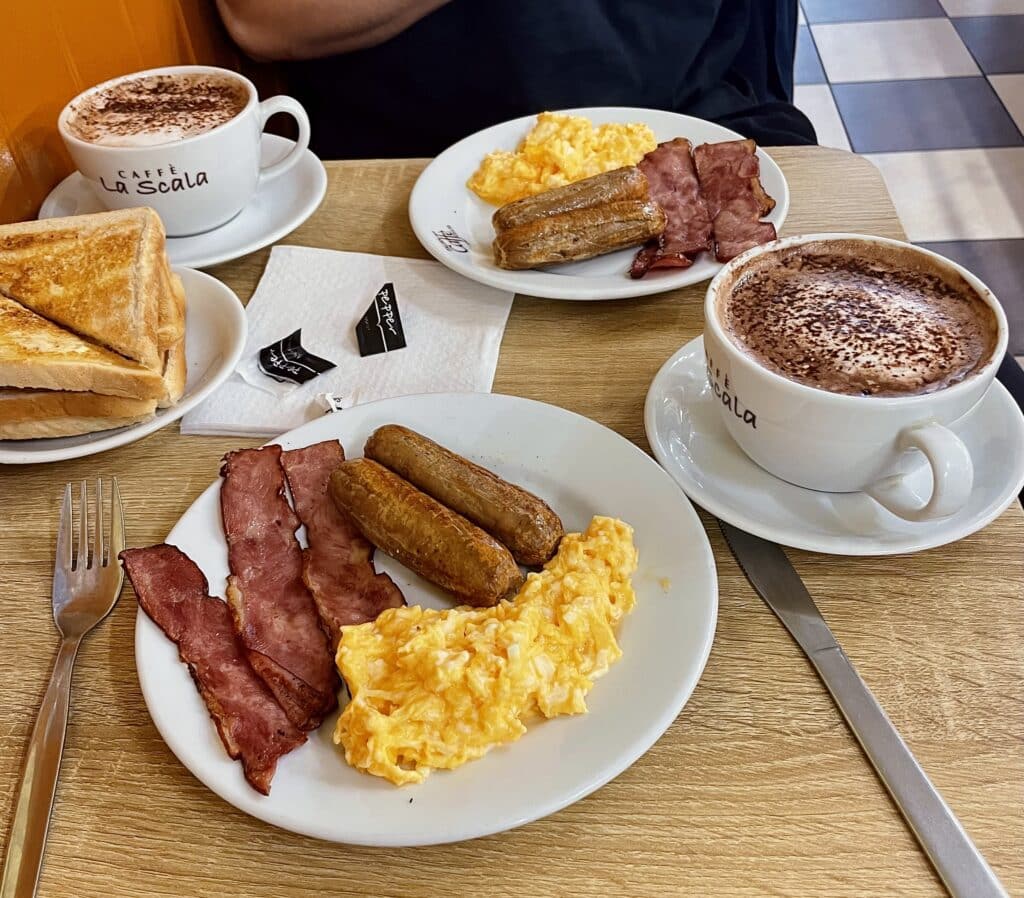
(954, 856)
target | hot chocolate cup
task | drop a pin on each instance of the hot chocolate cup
(839, 442)
(194, 183)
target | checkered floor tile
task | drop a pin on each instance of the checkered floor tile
(997, 42)
(808, 65)
(1011, 91)
(999, 263)
(870, 10)
(928, 114)
(932, 91)
(817, 102)
(892, 50)
(956, 8)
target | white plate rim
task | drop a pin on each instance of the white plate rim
(551, 286)
(231, 304)
(309, 160)
(256, 806)
(936, 534)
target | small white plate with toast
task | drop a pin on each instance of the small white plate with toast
(454, 225)
(215, 333)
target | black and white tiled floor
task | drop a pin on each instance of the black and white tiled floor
(932, 92)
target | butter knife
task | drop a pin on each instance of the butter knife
(955, 857)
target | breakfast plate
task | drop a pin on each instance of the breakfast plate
(454, 225)
(215, 332)
(582, 469)
(279, 206)
(688, 437)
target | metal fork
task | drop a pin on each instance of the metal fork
(86, 583)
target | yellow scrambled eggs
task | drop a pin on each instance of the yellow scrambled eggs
(434, 689)
(558, 150)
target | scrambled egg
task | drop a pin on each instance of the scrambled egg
(434, 689)
(558, 150)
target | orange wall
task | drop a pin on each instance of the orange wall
(51, 50)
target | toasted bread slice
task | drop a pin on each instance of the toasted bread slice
(171, 318)
(101, 276)
(171, 311)
(35, 352)
(175, 373)
(30, 414)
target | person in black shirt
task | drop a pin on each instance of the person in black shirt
(400, 78)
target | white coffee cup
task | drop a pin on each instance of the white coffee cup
(838, 442)
(195, 183)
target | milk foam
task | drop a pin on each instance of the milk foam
(849, 317)
(157, 109)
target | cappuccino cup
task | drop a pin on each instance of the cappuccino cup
(839, 362)
(184, 140)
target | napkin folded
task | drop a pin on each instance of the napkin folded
(453, 329)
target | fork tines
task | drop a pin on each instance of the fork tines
(81, 553)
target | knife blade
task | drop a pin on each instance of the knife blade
(956, 859)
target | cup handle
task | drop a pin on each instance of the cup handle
(294, 108)
(952, 475)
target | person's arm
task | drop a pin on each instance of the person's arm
(305, 29)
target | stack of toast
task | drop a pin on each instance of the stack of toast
(92, 324)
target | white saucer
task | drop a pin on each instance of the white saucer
(280, 205)
(215, 331)
(454, 225)
(688, 438)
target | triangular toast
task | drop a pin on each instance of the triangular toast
(170, 327)
(103, 276)
(35, 352)
(175, 374)
(30, 414)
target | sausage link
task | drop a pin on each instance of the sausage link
(520, 520)
(422, 534)
(580, 234)
(613, 186)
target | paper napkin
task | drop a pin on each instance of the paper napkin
(452, 330)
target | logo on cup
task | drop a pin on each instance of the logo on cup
(165, 179)
(449, 238)
(723, 392)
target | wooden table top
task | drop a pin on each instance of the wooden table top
(757, 788)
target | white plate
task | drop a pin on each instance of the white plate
(454, 224)
(215, 332)
(582, 469)
(280, 205)
(689, 439)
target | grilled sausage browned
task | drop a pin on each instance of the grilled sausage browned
(520, 520)
(580, 234)
(613, 186)
(435, 542)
